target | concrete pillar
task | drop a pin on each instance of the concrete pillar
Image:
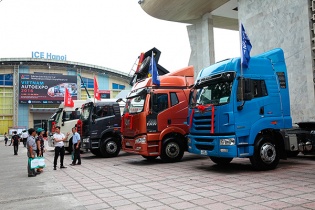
(285, 24)
(201, 40)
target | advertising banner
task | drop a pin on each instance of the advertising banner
(46, 88)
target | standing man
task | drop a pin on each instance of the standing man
(16, 141)
(59, 147)
(24, 137)
(31, 150)
(76, 146)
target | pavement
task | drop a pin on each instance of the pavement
(130, 182)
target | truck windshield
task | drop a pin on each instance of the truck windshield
(135, 105)
(214, 93)
(86, 110)
(55, 116)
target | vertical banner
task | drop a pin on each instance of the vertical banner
(97, 94)
(246, 47)
(67, 99)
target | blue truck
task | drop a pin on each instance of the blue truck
(240, 112)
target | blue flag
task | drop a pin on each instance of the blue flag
(246, 47)
(154, 72)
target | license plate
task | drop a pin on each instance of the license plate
(203, 152)
(86, 140)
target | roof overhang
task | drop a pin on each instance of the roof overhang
(48, 63)
(43, 110)
(224, 12)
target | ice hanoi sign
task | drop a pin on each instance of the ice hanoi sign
(50, 56)
(46, 88)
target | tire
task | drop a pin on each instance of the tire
(96, 152)
(110, 147)
(172, 150)
(265, 153)
(144, 68)
(149, 158)
(292, 153)
(220, 160)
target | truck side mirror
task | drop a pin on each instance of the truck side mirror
(63, 118)
(248, 89)
(94, 116)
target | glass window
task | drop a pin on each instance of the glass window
(118, 86)
(216, 94)
(258, 87)
(160, 102)
(103, 111)
(135, 105)
(174, 99)
(89, 83)
(6, 79)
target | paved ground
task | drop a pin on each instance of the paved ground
(130, 182)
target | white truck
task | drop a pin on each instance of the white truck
(66, 118)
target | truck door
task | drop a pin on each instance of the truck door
(102, 119)
(252, 108)
(160, 104)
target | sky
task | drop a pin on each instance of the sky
(105, 33)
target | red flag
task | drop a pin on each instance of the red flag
(67, 99)
(97, 94)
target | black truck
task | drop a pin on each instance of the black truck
(99, 127)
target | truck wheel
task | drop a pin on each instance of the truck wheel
(265, 153)
(221, 161)
(110, 147)
(149, 158)
(96, 152)
(172, 150)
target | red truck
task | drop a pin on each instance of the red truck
(153, 123)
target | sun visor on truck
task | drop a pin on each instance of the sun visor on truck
(143, 70)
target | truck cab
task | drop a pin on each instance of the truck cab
(153, 123)
(236, 112)
(99, 127)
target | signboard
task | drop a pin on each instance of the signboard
(105, 93)
(49, 56)
(45, 88)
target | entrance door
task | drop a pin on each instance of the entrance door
(40, 124)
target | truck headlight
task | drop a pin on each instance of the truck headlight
(229, 141)
(141, 140)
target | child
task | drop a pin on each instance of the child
(5, 138)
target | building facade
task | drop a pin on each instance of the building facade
(20, 106)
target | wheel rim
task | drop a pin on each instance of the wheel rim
(268, 153)
(172, 150)
(111, 147)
